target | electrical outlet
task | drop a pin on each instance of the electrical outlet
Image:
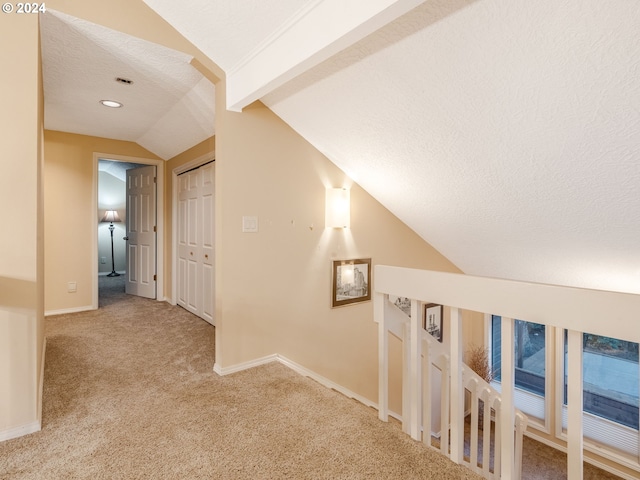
(103, 260)
(72, 287)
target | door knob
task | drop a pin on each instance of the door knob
(125, 238)
(206, 256)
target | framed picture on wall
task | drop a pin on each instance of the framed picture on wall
(432, 320)
(351, 281)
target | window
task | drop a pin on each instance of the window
(610, 378)
(530, 351)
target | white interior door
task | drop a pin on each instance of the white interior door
(141, 232)
(195, 249)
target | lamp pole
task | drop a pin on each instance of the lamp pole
(113, 261)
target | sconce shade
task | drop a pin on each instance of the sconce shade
(111, 216)
(338, 208)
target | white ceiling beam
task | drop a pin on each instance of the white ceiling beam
(318, 31)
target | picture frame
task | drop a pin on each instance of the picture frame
(432, 320)
(351, 281)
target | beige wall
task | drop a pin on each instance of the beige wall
(70, 220)
(273, 287)
(21, 286)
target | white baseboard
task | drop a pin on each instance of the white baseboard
(302, 371)
(20, 431)
(63, 311)
(245, 365)
(41, 383)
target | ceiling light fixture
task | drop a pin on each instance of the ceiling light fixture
(111, 103)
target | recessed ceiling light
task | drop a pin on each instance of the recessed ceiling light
(110, 103)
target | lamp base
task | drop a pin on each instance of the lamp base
(113, 274)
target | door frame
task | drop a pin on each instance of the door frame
(197, 162)
(159, 164)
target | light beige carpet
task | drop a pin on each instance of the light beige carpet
(129, 393)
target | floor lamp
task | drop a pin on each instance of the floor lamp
(112, 216)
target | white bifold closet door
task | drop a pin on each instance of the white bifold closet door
(196, 241)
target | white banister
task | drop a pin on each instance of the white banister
(507, 413)
(573, 309)
(457, 390)
(574, 405)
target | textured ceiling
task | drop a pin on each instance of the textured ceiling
(168, 108)
(506, 133)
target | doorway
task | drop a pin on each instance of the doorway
(110, 172)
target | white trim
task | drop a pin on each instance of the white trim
(195, 163)
(296, 367)
(64, 311)
(20, 431)
(159, 164)
(320, 29)
(222, 371)
(41, 382)
(325, 381)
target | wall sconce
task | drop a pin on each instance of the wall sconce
(337, 213)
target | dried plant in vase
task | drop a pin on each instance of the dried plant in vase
(478, 361)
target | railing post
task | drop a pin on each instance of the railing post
(574, 405)
(415, 371)
(383, 356)
(507, 409)
(457, 389)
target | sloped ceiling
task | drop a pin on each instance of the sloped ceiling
(167, 109)
(506, 133)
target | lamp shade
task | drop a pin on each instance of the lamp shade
(111, 216)
(337, 208)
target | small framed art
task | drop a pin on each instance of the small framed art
(351, 281)
(432, 320)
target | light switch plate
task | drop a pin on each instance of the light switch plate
(249, 224)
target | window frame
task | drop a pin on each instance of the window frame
(593, 423)
(529, 403)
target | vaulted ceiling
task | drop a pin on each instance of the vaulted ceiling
(506, 133)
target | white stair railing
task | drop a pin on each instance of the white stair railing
(434, 404)
(575, 310)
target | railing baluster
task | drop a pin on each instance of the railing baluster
(427, 407)
(415, 370)
(507, 415)
(457, 390)
(486, 432)
(383, 356)
(446, 402)
(574, 405)
(473, 450)
(406, 379)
